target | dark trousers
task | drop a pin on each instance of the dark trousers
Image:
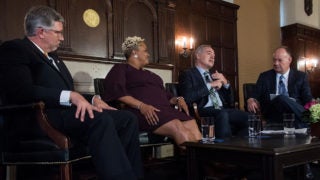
(227, 122)
(113, 142)
(283, 104)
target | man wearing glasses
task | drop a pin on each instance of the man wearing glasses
(32, 72)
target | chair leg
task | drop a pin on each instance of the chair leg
(65, 171)
(11, 173)
(2, 172)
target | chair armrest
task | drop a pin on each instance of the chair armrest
(59, 138)
(196, 113)
(56, 136)
(236, 105)
(14, 107)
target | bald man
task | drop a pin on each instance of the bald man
(281, 90)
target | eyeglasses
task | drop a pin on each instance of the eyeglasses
(52, 30)
(55, 31)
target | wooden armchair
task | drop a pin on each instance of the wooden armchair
(248, 89)
(53, 148)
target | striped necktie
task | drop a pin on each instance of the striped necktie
(213, 93)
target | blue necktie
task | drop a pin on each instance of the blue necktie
(281, 87)
(213, 93)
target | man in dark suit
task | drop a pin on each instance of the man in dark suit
(213, 94)
(32, 72)
(281, 90)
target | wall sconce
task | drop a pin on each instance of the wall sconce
(307, 64)
(182, 43)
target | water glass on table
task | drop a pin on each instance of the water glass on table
(288, 123)
(254, 125)
(207, 129)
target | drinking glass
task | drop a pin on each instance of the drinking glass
(288, 123)
(207, 129)
(254, 125)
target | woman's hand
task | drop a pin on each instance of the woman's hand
(181, 104)
(149, 113)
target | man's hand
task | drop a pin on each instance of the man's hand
(216, 84)
(220, 77)
(83, 106)
(101, 105)
(149, 113)
(253, 105)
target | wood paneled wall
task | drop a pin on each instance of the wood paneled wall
(210, 22)
(304, 42)
(160, 22)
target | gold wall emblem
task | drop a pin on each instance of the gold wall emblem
(91, 18)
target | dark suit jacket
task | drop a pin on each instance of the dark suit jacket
(298, 87)
(28, 76)
(193, 89)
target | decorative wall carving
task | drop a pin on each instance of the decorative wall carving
(85, 40)
(308, 7)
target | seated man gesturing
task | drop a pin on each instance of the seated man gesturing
(213, 94)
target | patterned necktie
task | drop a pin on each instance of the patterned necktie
(213, 93)
(51, 60)
(281, 87)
